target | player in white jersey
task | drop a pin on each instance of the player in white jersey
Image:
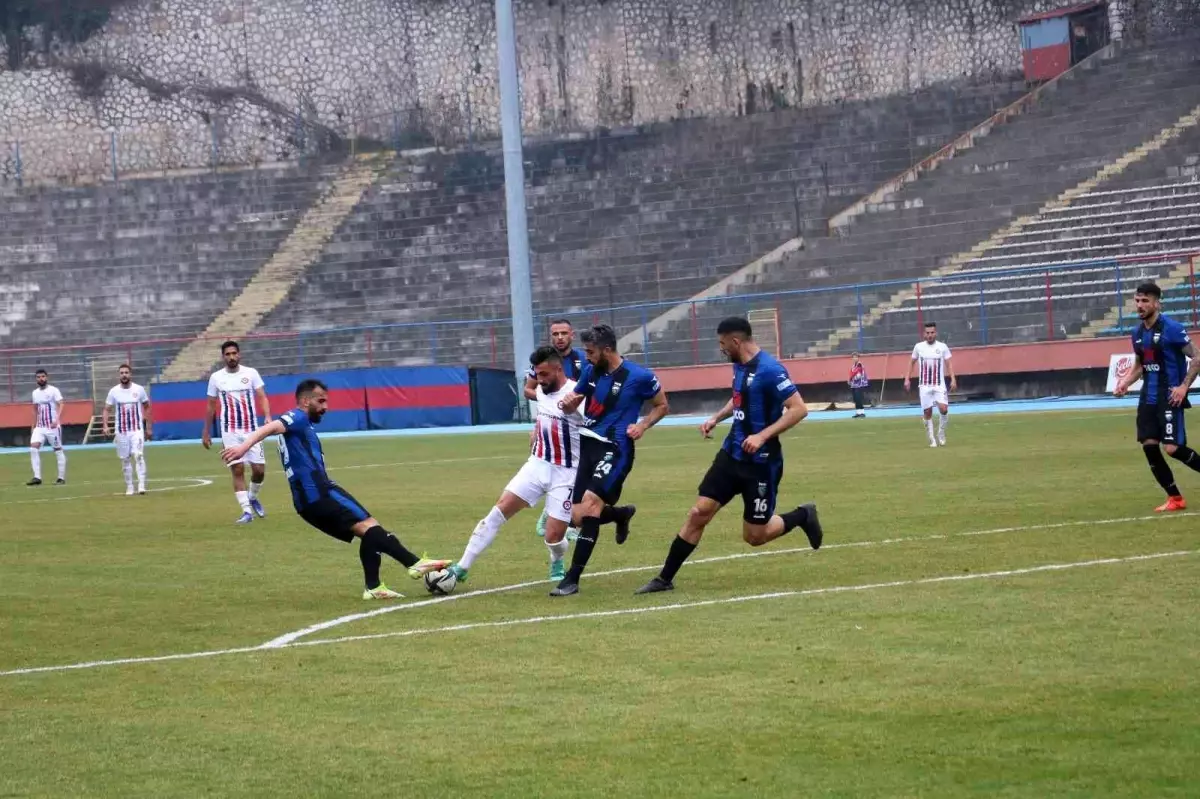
(933, 358)
(47, 428)
(237, 390)
(549, 473)
(134, 426)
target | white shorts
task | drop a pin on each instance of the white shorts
(130, 444)
(538, 479)
(46, 435)
(254, 456)
(933, 395)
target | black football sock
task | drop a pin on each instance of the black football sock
(680, 551)
(382, 541)
(589, 531)
(1188, 457)
(370, 563)
(1159, 468)
(793, 519)
(608, 515)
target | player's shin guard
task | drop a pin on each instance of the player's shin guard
(381, 540)
(484, 534)
(1159, 468)
(1188, 457)
(127, 470)
(139, 463)
(680, 551)
(254, 488)
(929, 430)
(558, 551)
(370, 563)
(35, 458)
(60, 458)
(589, 532)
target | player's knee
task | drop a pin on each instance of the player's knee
(699, 516)
(1171, 449)
(755, 534)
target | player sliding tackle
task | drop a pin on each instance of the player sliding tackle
(765, 404)
(321, 502)
(549, 472)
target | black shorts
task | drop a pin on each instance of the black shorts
(1162, 423)
(335, 514)
(603, 468)
(758, 483)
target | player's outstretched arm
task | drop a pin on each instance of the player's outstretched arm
(711, 422)
(269, 429)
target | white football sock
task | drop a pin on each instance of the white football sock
(127, 470)
(35, 457)
(254, 489)
(929, 430)
(485, 533)
(140, 462)
(558, 551)
(243, 500)
(943, 420)
(61, 457)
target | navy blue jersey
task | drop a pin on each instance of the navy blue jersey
(759, 390)
(303, 461)
(614, 401)
(1159, 349)
(573, 363)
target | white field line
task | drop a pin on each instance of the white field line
(196, 482)
(837, 589)
(949, 578)
(291, 637)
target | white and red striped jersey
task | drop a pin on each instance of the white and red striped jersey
(46, 400)
(235, 398)
(556, 434)
(128, 404)
(931, 358)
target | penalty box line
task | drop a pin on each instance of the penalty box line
(288, 638)
(949, 578)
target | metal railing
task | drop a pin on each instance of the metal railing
(998, 306)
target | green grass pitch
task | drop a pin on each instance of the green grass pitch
(908, 657)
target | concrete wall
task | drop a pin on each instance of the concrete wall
(182, 75)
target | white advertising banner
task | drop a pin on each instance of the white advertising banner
(1121, 365)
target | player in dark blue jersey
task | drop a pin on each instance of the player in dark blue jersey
(764, 405)
(1161, 348)
(323, 503)
(615, 390)
(562, 336)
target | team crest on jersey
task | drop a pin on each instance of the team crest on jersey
(616, 388)
(245, 380)
(762, 489)
(1157, 336)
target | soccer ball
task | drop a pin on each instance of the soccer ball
(441, 582)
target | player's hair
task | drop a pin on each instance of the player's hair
(124, 366)
(566, 322)
(601, 336)
(307, 387)
(228, 344)
(735, 324)
(1149, 289)
(931, 324)
(40, 372)
(543, 355)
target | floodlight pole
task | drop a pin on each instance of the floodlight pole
(520, 287)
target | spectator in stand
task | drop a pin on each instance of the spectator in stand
(858, 386)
